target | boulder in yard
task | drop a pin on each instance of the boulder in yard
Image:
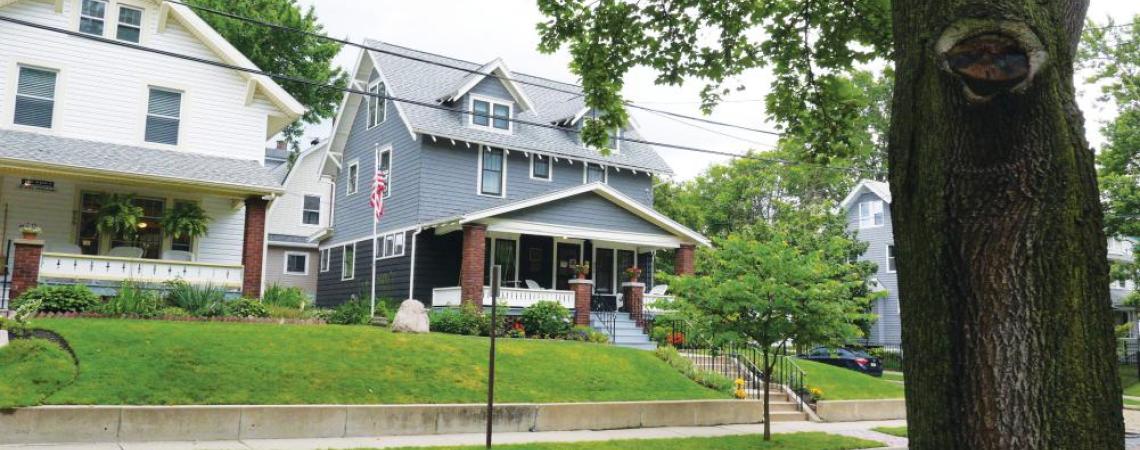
(3, 338)
(411, 318)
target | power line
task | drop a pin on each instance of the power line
(323, 85)
(452, 66)
(710, 130)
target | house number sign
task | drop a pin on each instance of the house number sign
(32, 184)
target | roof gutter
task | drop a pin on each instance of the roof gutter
(119, 175)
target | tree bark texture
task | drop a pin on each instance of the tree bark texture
(1003, 273)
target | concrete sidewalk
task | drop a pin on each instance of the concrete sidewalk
(854, 429)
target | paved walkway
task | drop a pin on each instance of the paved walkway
(855, 429)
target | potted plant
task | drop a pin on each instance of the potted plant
(582, 269)
(185, 219)
(119, 216)
(30, 230)
(633, 273)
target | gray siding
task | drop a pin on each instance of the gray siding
(353, 213)
(888, 328)
(437, 262)
(392, 275)
(587, 210)
(275, 269)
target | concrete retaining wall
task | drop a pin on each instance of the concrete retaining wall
(52, 424)
(856, 410)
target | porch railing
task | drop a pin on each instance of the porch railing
(510, 297)
(68, 267)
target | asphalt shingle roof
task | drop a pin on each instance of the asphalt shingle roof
(426, 82)
(288, 238)
(128, 160)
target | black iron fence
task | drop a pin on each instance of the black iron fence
(6, 280)
(603, 310)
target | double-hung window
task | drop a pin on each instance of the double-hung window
(296, 263)
(377, 111)
(390, 245)
(130, 24)
(326, 256)
(891, 258)
(871, 214)
(92, 16)
(384, 158)
(35, 97)
(163, 116)
(348, 262)
(353, 177)
(311, 210)
(491, 178)
(539, 167)
(491, 114)
(595, 173)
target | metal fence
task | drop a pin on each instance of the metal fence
(6, 280)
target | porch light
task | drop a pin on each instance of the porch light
(142, 224)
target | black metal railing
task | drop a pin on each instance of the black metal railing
(603, 309)
(6, 280)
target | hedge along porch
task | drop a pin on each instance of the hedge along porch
(65, 203)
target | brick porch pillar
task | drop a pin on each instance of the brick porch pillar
(472, 268)
(683, 262)
(634, 295)
(253, 246)
(25, 265)
(582, 291)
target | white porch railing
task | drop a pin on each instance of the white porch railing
(511, 297)
(91, 268)
(650, 300)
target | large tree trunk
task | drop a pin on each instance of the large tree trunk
(1007, 323)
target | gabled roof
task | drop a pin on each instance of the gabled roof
(603, 190)
(416, 75)
(496, 67)
(879, 188)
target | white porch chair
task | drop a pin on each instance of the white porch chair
(177, 255)
(126, 252)
(533, 285)
(70, 249)
(659, 290)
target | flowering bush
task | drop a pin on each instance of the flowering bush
(676, 338)
(816, 393)
(740, 392)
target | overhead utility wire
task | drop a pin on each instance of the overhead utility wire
(322, 85)
(455, 67)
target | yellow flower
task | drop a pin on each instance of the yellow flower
(739, 383)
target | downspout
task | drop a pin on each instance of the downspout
(412, 274)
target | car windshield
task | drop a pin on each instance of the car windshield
(854, 353)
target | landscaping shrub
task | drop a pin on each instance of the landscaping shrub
(708, 379)
(132, 300)
(75, 298)
(546, 319)
(14, 328)
(465, 320)
(588, 334)
(202, 301)
(173, 312)
(289, 297)
(281, 312)
(246, 308)
(356, 311)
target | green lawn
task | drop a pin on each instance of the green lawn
(893, 376)
(31, 370)
(789, 441)
(1129, 380)
(157, 362)
(843, 384)
(1131, 402)
(893, 431)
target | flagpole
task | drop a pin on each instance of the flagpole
(375, 224)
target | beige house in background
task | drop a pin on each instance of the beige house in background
(298, 219)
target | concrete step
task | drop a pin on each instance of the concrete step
(787, 416)
(649, 346)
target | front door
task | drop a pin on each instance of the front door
(568, 256)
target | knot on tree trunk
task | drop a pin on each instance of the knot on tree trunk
(991, 57)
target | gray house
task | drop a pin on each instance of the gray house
(868, 209)
(470, 188)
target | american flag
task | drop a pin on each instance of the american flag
(380, 184)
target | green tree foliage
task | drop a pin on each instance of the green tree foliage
(282, 52)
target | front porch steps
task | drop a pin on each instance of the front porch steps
(782, 405)
(626, 334)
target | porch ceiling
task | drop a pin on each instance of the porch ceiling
(58, 155)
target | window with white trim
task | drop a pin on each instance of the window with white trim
(163, 116)
(390, 245)
(326, 257)
(594, 173)
(130, 24)
(385, 160)
(35, 97)
(353, 178)
(348, 262)
(540, 168)
(891, 258)
(871, 214)
(296, 263)
(92, 16)
(311, 210)
(377, 106)
(491, 174)
(490, 114)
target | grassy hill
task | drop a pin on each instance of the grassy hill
(156, 362)
(844, 384)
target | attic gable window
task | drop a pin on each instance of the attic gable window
(871, 214)
(377, 110)
(92, 16)
(490, 114)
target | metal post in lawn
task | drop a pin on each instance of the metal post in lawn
(496, 275)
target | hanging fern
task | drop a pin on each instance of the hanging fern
(119, 216)
(185, 219)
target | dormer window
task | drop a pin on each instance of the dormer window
(377, 111)
(871, 214)
(92, 16)
(491, 114)
(130, 24)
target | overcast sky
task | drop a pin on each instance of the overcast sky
(481, 30)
